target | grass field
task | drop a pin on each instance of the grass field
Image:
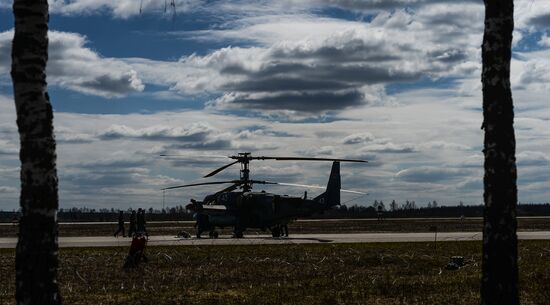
(394, 273)
(323, 226)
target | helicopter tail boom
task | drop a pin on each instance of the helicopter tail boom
(331, 196)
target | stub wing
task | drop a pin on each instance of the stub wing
(208, 209)
(214, 207)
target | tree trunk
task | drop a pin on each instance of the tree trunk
(36, 253)
(500, 269)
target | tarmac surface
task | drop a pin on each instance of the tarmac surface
(104, 241)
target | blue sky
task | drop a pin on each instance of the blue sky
(395, 82)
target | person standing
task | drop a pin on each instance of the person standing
(140, 220)
(132, 230)
(143, 224)
(120, 224)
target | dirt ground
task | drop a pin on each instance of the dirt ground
(394, 273)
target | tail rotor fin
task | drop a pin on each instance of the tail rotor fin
(331, 196)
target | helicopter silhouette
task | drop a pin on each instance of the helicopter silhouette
(239, 207)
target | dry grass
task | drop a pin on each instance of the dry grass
(393, 273)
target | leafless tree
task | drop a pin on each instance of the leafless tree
(36, 253)
(500, 269)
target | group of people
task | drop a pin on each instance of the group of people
(137, 224)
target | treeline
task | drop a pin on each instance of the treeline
(85, 214)
(410, 210)
(377, 209)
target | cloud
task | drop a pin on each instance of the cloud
(532, 158)
(319, 101)
(379, 145)
(375, 5)
(391, 148)
(196, 136)
(346, 64)
(472, 184)
(542, 20)
(193, 133)
(65, 135)
(429, 174)
(531, 71)
(73, 66)
(120, 8)
(8, 189)
(131, 8)
(299, 63)
(9, 148)
(544, 40)
(114, 164)
(439, 145)
(73, 138)
(358, 138)
(212, 144)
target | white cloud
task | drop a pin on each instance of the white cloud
(193, 132)
(358, 138)
(120, 8)
(74, 66)
(8, 189)
(345, 64)
(430, 174)
(8, 147)
(544, 41)
(532, 158)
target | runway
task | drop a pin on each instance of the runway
(104, 241)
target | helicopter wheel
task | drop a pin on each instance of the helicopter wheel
(276, 231)
(284, 230)
(213, 234)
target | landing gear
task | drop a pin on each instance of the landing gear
(238, 232)
(276, 231)
(284, 230)
(202, 224)
(213, 234)
(279, 231)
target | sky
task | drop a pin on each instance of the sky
(394, 82)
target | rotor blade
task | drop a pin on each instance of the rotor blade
(311, 186)
(192, 156)
(307, 159)
(262, 182)
(220, 169)
(229, 189)
(203, 183)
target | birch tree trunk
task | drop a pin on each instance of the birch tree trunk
(500, 268)
(36, 253)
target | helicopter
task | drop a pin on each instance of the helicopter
(239, 207)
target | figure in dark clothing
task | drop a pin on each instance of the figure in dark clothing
(141, 222)
(137, 252)
(144, 222)
(120, 224)
(380, 212)
(202, 224)
(132, 230)
(284, 230)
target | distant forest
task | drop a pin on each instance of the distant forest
(392, 210)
